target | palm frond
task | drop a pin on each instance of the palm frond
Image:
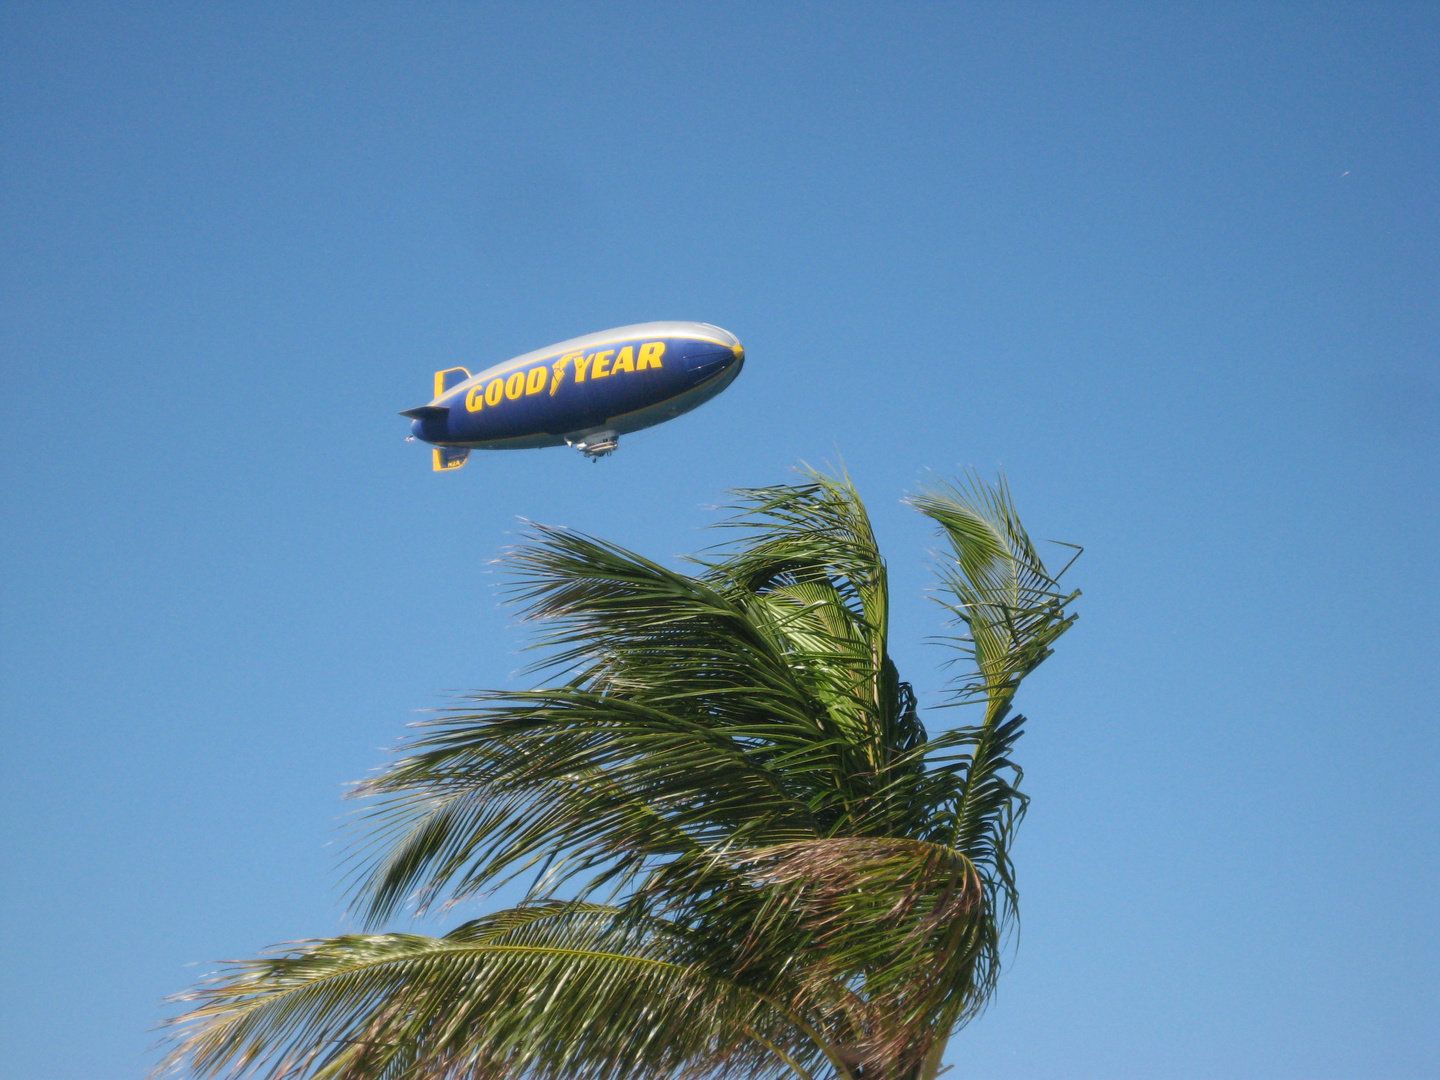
(690, 718)
(589, 779)
(797, 876)
(559, 991)
(810, 548)
(1013, 610)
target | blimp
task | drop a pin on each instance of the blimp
(584, 393)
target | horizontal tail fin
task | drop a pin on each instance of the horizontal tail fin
(427, 412)
(445, 458)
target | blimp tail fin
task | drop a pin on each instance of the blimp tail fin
(427, 412)
(448, 378)
(445, 458)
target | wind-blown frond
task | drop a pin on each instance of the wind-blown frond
(796, 876)
(596, 780)
(549, 992)
(1011, 607)
(806, 556)
(1013, 611)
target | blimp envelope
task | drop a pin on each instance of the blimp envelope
(585, 392)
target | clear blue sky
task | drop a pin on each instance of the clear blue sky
(1173, 267)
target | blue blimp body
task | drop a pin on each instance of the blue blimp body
(585, 392)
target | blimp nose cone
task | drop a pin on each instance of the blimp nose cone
(726, 350)
(713, 358)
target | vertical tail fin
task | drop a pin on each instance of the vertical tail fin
(445, 458)
(448, 378)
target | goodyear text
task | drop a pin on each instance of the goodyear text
(597, 365)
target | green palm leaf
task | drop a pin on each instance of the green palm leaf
(553, 991)
(1012, 608)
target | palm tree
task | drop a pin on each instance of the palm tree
(745, 853)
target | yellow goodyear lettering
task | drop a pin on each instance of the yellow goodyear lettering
(595, 366)
(515, 385)
(494, 391)
(475, 398)
(559, 367)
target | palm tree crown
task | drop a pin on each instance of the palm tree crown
(746, 854)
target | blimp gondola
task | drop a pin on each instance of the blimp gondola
(585, 392)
